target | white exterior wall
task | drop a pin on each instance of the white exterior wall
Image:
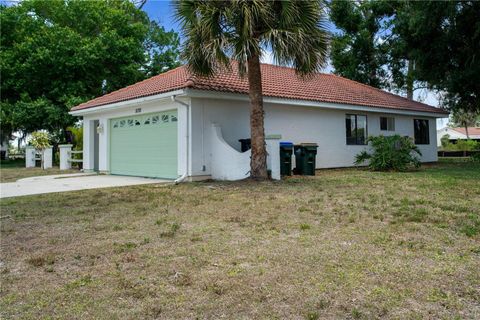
(146, 107)
(233, 117)
(296, 124)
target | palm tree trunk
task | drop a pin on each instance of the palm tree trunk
(466, 131)
(42, 161)
(258, 162)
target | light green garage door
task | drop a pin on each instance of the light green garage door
(144, 145)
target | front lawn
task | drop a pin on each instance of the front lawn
(12, 170)
(345, 244)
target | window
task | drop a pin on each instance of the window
(356, 128)
(421, 131)
(165, 118)
(387, 124)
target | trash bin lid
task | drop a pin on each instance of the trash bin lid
(286, 144)
(308, 144)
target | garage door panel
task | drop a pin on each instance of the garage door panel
(144, 145)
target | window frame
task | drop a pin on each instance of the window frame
(356, 142)
(392, 128)
(421, 139)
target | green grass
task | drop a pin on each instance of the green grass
(12, 170)
(349, 244)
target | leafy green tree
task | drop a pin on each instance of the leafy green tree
(356, 53)
(56, 54)
(443, 38)
(218, 31)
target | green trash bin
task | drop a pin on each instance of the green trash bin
(305, 158)
(286, 150)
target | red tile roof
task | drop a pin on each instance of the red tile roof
(279, 82)
(472, 131)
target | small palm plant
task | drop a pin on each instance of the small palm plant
(217, 31)
(394, 153)
(40, 142)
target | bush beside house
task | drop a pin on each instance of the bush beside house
(387, 153)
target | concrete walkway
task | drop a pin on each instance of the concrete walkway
(69, 182)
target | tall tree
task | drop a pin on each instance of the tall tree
(55, 54)
(366, 49)
(218, 31)
(357, 52)
(443, 38)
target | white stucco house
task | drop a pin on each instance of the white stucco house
(455, 134)
(179, 125)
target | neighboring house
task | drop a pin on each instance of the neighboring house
(455, 134)
(177, 124)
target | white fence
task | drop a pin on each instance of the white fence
(67, 156)
(32, 156)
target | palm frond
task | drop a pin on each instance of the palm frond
(298, 36)
(216, 31)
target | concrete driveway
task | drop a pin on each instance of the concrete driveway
(69, 182)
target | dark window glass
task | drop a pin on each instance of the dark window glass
(356, 129)
(383, 123)
(387, 124)
(421, 131)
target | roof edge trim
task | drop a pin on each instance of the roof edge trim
(195, 93)
(126, 103)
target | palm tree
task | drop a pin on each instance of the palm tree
(217, 32)
(462, 118)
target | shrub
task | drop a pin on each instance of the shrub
(461, 145)
(467, 145)
(390, 153)
(77, 133)
(476, 157)
(445, 140)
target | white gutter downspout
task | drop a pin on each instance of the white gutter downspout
(184, 176)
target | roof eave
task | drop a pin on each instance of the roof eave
(127, 103)
(195, 93)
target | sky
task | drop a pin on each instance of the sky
(162, 12)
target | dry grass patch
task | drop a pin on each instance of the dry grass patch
(344, 244)
(11, 171)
